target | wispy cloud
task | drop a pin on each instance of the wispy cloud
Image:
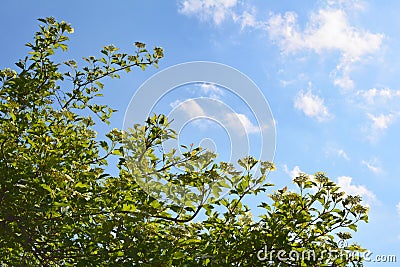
(189, 107)
(381, 107)
(347, 4)
(372, 165)
(375, 96)
(236, 120)
(377, 125)
(398, 208)
(210, 108)
(214, 10)
(312, 105)
(247, 19)
(343, 154)
(218, 11)
(380, 122)
(211, 90)
(345, 183)
(337, 152)
(328, 29)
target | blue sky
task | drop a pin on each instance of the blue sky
(328, 69)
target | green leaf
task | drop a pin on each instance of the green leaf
(81, 185)
(104, 145)
(13, 116)
(353, 227)
(128, 207)
(47, 187)
(178, 255)
(118, 152)
(155, 204)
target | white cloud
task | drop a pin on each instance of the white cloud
(284, 30)
(372, 166)
(331, 150)
(378, 124)
(344, 81)
(294, 172)
(376, 96)
(398, 208)
(175, 103)
(312, 106)
(184, 111)
(343, 154)
(218, 11)
(345, 183)
(328, 29)
(247, 19)
(381, 107)
(212, 90)
(215, 10)
(239, 122)
(347, 4)
(189, 107)
(383, 100)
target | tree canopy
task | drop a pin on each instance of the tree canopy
(60, 207)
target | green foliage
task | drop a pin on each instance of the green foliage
(58, 207)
